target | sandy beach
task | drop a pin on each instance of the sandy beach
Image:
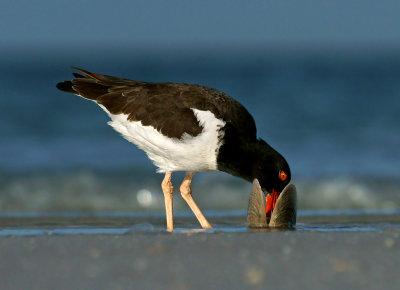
(317, 255)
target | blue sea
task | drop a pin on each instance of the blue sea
(334, 115)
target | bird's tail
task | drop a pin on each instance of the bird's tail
(89, 85)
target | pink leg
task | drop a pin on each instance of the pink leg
(186, 193)
(168, 189)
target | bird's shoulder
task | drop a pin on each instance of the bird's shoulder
(181, 97)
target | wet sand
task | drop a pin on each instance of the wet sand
(358, 252)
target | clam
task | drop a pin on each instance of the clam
(284, 213)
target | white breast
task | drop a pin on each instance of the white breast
(189, 153)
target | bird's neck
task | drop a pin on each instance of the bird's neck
(241, 158)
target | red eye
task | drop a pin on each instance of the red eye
(282, 175)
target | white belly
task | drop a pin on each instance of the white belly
(189, 153)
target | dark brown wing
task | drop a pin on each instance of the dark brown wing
(165, 106)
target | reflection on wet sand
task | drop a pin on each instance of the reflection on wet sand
(223, 222)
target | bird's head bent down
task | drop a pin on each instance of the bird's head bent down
(273, 173)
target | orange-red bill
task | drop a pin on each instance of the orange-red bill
(270, 203)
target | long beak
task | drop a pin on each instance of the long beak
(271, 202)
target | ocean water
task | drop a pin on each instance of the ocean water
(335, 116)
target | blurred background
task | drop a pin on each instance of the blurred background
(321, 78)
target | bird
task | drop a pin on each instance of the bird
(185, 127)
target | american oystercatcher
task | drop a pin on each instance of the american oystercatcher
(186, 127)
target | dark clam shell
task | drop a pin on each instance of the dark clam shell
(256, 217)
(285, 211)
